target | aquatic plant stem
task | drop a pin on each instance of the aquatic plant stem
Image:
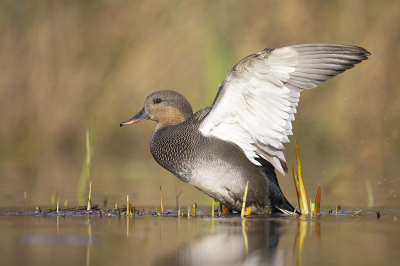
(127, 205)
(58, 204)
(24, 201)
(318, 202)
(88, 158)
(162, 207)
(177, 197)
(89, 196)
(105, 199)
(244, 199)
(301, 182)
(194, 210)
(212, 208)
(296, 183)
(370, 197)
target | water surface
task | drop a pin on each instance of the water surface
(330, 239)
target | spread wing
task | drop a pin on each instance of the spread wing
(255, 104)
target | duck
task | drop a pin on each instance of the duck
(238, 140)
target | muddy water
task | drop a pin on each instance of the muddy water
(343, 239)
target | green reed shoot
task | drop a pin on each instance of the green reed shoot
(84, 179)
(212, 208)
(194, 210)
(318, 202)
(300, 182)
(162, 207)
(244, 199)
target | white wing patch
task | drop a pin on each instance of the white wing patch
(257, 101)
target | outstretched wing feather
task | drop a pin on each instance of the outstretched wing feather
(257, 101)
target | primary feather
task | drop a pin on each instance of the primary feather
(257, 101)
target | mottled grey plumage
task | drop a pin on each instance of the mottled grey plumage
(221, 147)
(216, 167)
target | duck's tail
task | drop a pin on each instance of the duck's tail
(278, 201)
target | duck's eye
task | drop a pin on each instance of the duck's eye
(158, 100)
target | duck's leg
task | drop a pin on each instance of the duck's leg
(226, 211)
(247, 211)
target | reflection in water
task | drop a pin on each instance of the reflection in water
(301, 234)
(89, 245)
(252, 243)
(244, 232)
(219, 241)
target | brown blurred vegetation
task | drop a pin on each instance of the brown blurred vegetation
(66, 64)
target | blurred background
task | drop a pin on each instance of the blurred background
(66, 66)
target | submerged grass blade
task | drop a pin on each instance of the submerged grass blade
(244, 199)
(318, 201)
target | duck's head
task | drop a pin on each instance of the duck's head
(167, 108)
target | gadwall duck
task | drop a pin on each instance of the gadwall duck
(239, 138)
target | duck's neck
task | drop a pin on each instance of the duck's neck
(173, 118)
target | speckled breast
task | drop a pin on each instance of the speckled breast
(175, 148)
